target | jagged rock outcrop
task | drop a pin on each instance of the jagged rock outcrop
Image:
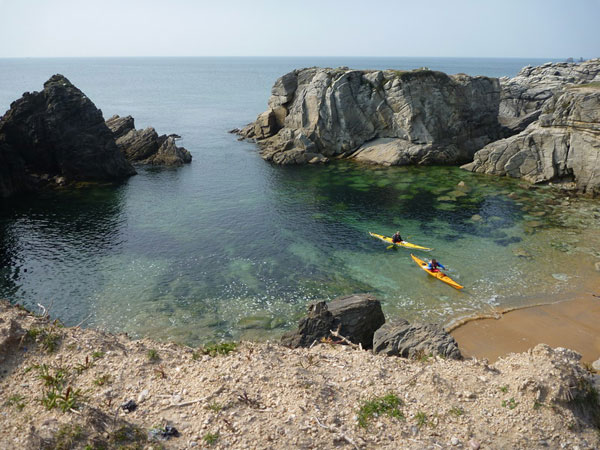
(563, 144)
(56, 134)
(146, 146)
(356, 317)
(384, 117)
(523, 96)
(411, 340)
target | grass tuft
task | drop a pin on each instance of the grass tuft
(223, 348)
(456, 411)
(97, 355)
(153, 355)
(387, 405)
(421, 419)
(510, 404)
(18, 401)
(210, 438)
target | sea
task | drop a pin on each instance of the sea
(232, 247)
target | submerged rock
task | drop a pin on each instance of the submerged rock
(146, 146)
(384, 117)
(356, 316)
(57, 132)
(412, 340)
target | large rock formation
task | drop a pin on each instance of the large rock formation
(563, 143)
(356, 317)
(523, 96)
(146, 146)
(57, 133)
(412, 340)
(386, 117)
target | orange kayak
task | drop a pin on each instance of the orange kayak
(439, 275)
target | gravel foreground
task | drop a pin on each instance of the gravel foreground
(63, 388)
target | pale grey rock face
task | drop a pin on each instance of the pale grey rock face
(563, 143)
(410, 340)
(534, 86)
(420, 117)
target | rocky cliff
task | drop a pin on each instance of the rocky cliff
(56, 134)
(146, 146)
(523, 96)
(387, 117)
(564, 143)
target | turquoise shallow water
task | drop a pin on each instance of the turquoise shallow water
(233, 247)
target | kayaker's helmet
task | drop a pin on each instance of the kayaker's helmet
(433, 261)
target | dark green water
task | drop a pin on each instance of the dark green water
(233, 247)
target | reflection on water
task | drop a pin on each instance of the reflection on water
(152, 259)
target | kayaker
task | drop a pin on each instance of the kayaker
(434, 266)
(396, 237)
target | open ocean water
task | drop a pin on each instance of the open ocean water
(233, 247)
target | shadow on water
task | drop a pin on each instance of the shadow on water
(49, 242)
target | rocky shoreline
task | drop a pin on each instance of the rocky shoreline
(58, 136)
(541, 125)
(69, 387)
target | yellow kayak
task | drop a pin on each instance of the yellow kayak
(401, 243)
(439, 275)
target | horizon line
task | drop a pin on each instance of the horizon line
(287, 56)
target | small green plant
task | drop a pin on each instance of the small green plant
(33, 333)
(210, 438)
(422, 356)
(421, 419)
(97, 355)
(456, 411)
(88, 363)
(102, 380)
(388, 405)
(214, 406)
(153, 355)
(504, 388)
(54, 378)
(510, 404)
(223, 348)
(18, 401)
(65, 401)
(537, 405)
(50, 342)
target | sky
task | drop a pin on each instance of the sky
(446, 28)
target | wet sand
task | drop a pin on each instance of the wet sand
(574, 324)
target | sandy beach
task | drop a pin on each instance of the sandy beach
(573, 323)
